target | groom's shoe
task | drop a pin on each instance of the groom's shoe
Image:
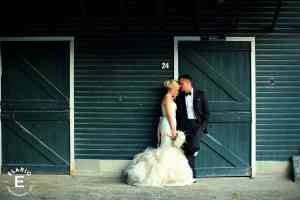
(195, 180)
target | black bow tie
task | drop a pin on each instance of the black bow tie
(188, 93)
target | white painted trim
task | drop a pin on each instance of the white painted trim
(71, 101)
(0, 113)
(38, 39)
(72, 106)
(177, 39)
(253, 107)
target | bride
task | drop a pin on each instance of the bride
(167, 164)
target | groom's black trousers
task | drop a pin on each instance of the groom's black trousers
(193, 133)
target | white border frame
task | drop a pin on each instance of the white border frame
(71, 101)
(177, 39)
(0, 112)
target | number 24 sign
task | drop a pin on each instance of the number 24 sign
(165, 65)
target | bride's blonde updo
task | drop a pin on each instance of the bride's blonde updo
(170, 84)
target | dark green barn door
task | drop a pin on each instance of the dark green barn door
(35, 106)
(222, 69)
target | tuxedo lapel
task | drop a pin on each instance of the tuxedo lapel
(195, 98)
(183, 105)
(197, 102)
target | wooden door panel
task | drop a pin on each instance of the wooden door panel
(35, 106)
(222, 70)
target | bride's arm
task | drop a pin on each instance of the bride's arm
(169, 113)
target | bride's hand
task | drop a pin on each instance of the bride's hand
(173, 134)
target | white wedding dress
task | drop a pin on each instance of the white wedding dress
(162, 166)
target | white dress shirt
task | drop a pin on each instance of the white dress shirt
(190, 106)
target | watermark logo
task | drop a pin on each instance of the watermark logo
(17, 186)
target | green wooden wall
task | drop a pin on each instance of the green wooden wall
(118, 50)
(278, 96)
(118, 83)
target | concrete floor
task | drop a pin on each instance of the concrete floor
(83, 187)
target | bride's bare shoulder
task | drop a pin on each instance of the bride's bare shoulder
(166, 99)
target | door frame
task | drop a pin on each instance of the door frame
(178, 39)
(70, 39)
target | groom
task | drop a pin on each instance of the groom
(192, 117)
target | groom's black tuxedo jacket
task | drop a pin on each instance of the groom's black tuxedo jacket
(200, 104)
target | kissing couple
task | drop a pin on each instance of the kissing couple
(183, 122)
